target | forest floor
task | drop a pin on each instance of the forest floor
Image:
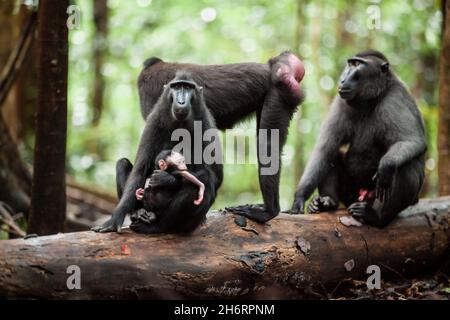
(431, 287)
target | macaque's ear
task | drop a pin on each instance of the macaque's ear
(200, 88)
(385, 67)
(165, 86)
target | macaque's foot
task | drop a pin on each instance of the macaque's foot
(143, 216)
(145, 228)
(361, 211)
(321, 204)
(255, 212)
(364, 212)
(112, 225)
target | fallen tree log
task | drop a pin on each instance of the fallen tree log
(222, 259)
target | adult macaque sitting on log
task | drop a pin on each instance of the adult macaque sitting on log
(233, 92)
(370, 153)
(161, 187)
(181, 106)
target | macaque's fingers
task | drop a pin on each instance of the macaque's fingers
(359, 205)
(312, 210)
(114, 224)
(388, 194)
(201, 193)
(190, 177)
(299, 206)
(139, 194)
(383, 194)
(96, 228)
(108, 229)
(148, 218)
(357, 208)
(378, 194)
(313, 206)
(357, 214)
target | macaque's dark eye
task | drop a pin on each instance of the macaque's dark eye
(180, 85)
(353, 63)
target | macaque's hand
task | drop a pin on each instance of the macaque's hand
(139, 194)
(299, 205)
(384, 179)
(114, 224)
(191, 178)
(321, 204)
(159, 178)
(201, 192)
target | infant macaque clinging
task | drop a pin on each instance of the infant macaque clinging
(170, 166)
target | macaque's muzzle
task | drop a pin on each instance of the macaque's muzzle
(182, 92)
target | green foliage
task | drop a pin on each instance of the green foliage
(323, 33)
(3, 235)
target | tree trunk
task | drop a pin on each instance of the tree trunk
(18, 82)
(9, 26)
(48, 204)
(444, 105)
(15, 178)
(298, 163)
(26, 87)
(100, 45)
(276, 260)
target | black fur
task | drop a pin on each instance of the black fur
(373, 139)
(163, 186)
(151, 61)
(233, 92)
(182, 215)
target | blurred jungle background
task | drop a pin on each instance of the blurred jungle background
(112, 38)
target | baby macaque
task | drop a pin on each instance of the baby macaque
(166, 180)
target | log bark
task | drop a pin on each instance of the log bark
(221, 259)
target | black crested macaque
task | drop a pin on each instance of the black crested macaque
(370, 152)
(232, 93)
(155, 195)
(180, 104)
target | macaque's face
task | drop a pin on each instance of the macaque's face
(177, 160)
